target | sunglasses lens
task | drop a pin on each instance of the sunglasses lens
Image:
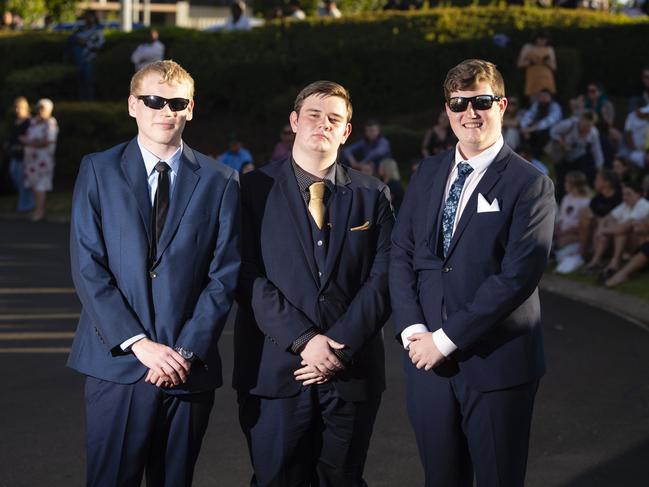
(458, 104)
(155, 102)
(178, 104)
(482, 102)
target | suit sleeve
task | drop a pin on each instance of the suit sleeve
(522, 266)
(203, 329)
(406, 308)
(275, 315)
(95, 284)
(370, 308)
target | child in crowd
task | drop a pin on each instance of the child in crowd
(566, 235)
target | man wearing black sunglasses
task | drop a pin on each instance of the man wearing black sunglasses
(468, 250)
(154, 254)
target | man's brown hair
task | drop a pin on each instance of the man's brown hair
(170, 71)
(470, 72)
(324, 89)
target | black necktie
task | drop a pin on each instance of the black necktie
(160, 204)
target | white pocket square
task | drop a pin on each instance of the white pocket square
(485, 207)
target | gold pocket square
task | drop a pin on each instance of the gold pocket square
(364, 226)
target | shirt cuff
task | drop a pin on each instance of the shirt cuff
(126, 345)
(301, 341)
(443, 343)
(411, 330)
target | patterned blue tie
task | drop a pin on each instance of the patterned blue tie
(452, 202)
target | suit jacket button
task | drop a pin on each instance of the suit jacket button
(447, 269)
(322, 299)
(153, 275)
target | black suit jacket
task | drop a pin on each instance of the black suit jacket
(280, 294)
(484, 293)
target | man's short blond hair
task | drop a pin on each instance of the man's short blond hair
(466, 76)
(324, 89)
(169, 71)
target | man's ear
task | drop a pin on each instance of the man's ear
(347, 132)
(292, 118)
(132, 102)
(190, 110)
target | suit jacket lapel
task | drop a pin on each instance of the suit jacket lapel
(184, 186)
(339, 217)
(436, 202)
(289, 188)
(135, 172)
(487, 182)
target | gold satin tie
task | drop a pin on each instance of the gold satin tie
(316, 203)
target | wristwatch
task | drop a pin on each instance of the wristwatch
(186, 354)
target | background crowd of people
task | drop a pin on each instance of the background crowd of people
(597, 156)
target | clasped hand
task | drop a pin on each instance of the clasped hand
(423, 352)
(166, 367)
(319, 361)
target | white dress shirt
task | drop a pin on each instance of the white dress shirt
(150, 160)
(480, 164)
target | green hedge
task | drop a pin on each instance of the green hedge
(88, 127)
(393, 63)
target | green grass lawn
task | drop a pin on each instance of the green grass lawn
(57, 205)
(638, 285)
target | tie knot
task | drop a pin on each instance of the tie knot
(317, 190)
(162, 167)
(464, 169)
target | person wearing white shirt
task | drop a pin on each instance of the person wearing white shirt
(620, 229)
(148, 52)
(470, 245)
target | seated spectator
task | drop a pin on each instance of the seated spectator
(295, 10)
(607, 196)
(619, 229)
(641, 98)
(538, 120)
(389, 174)
(329, 9)
(237, 157)
(611, 140)
(577, 148)
(238, 20)
(439, 137)
(512, 123)
(284, 147)
(637, 262)
(622, 168)
(596, 101)
(566, 234)
(636, 133)
(148, 52)
(526, 153)
(370, 150)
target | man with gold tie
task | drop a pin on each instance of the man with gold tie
(313, 297)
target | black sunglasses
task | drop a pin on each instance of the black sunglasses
(481, 102)
(158, 102)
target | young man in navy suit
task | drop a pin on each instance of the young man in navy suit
(469, 248)
(313, 297)
(155, 257)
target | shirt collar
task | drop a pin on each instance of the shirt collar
(150, 159)
(482, 161)
(305, 178)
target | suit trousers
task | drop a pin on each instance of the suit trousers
(461, 431)
(314, 438)
(131, 428)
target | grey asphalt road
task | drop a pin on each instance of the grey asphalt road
(591, 424)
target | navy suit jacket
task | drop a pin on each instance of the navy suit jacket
(484, 294)
(184, 296)
(281, 296)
